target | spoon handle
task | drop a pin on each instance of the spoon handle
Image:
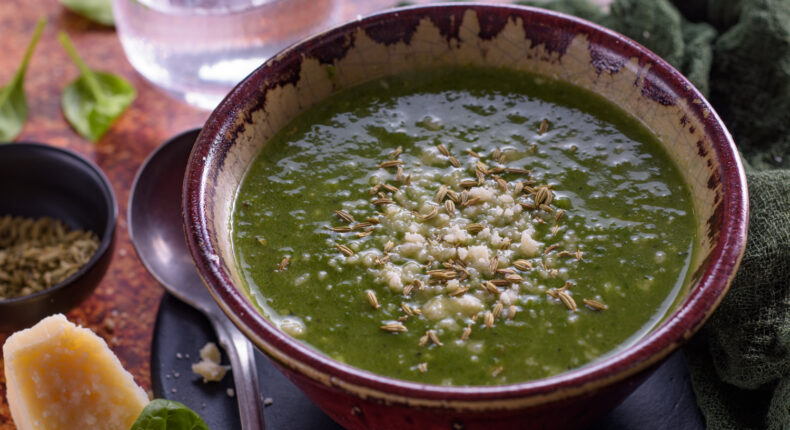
(245, 375)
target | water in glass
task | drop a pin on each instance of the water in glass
(197, 50)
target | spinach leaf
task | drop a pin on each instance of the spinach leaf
(163, 414)
(13, 105)
(95, 10)
(94, 100)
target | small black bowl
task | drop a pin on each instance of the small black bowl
(41, 180)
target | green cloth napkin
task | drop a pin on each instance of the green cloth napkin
(737, 52)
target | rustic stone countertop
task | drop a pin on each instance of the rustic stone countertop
(123, 307)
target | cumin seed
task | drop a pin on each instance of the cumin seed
(488, 319)
(382, 201)
(396, 153)
(474, 228)
(390, 188)
(491, 288)
(559, 214)
(345, 216)
(466, 333)
(454, 161)
(481, 167)
(595, 305)
(523, 265)
(344, 250)
(544, 127)
(459, 292)
(502, 184)
(365, 233)
(372, 299)
(481, 178)
(390, 163)
(434, 338)
(471, 202)
(551, 248)
(442, 274)
(443, 150)
(498, 308)
(567, 300)
(493, 264)
(284, 264)
(394, 327)
(517, 171)
(440, 195)
(432, 212)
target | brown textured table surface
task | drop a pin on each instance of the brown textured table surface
(123, 308)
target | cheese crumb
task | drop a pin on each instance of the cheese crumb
(209, 367)
(529, 246)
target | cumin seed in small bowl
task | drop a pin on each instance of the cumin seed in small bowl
(57, 224)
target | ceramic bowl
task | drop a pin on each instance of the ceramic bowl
(41, 180)
(538, 41)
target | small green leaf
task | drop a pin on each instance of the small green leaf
(95, 10)
(94, 100)
(13, 104)
(163, 414)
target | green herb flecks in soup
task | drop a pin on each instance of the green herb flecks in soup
(464, 227)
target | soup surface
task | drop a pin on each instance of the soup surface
(464, 227)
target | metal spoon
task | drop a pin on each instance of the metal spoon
(157, 233)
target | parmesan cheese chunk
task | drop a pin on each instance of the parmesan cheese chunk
(61, 376)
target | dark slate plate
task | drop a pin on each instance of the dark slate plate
(664, 402)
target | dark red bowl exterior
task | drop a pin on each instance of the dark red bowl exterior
(358, 399)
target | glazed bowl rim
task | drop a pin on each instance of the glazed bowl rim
(686, 318)
(111, 204)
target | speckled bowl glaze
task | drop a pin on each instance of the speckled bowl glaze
(518, 38)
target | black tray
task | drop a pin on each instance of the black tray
(664, 401)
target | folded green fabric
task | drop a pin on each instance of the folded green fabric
(740, 360)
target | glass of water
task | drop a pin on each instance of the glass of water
(197, 50)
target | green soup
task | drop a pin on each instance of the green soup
(464, 227)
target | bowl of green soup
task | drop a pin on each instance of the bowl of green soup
(466, 216)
